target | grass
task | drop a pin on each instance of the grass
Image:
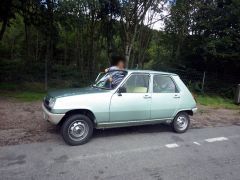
(26, 96)
(216, 102)
(211, 101)
(23, 92)
(34, 92)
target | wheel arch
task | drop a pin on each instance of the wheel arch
(85, 112)
(188, 111)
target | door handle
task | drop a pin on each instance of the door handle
(147, 97)
(176, 96)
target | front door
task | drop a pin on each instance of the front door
(134, 104)
(165, 97)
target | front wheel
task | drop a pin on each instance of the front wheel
(181, 122)
(77, 130)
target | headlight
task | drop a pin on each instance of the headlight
(51, 102)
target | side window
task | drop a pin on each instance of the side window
(137, 83)
(163, 84)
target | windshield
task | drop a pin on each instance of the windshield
(110, 80)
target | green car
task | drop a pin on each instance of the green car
(119, 99)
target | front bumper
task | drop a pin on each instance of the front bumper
(53, 118)
(194, 110)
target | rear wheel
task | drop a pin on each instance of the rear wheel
(181, 122)
(77, 130)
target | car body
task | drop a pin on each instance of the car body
(141, 97)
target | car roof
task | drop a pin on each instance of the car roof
(151, 72)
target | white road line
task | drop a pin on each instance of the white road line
(174, 145)
(216, 139)
(196, 143)
(115, 153)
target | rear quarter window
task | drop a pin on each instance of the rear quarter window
(164, 84)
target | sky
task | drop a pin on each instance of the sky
(159, 25)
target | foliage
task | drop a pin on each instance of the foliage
(205, 34)
(69, 41)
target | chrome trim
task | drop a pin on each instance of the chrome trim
(135, 121)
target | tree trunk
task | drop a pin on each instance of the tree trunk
(26, 39)
(4, 25)
(65, 50)
(49, 51)
(127, 55)
(46, 66)
(37, 48)
(81, 54)
(77, 55)
(6, 12)
(12, 48)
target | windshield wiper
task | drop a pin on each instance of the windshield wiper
(100, 87)
(93, 85)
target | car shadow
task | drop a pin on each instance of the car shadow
(132, 130)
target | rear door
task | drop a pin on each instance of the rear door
(165, 97)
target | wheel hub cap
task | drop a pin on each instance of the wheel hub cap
(78, 130)
(182, 122)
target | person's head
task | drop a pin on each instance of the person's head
(118, 61)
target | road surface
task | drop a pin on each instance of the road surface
(136, 153)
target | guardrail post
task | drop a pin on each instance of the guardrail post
(237, 95)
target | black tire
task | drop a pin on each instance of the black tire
(176, 125)
(74, 126)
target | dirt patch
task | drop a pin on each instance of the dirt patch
(22, 122)
(210, 117)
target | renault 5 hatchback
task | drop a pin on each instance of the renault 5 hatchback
(119, 99)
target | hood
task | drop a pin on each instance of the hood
(75, 91)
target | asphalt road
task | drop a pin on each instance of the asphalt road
(135, 153)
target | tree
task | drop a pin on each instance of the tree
(7, 12)
(178, 25)
(132, 14)
(205, 34)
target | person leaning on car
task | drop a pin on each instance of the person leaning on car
(117, 63)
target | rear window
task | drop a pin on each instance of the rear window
(163, 84)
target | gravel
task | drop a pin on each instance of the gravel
(22, 122)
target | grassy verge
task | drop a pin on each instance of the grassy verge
(23, 92)
(23, 96)
(35, 92)
(216, 102)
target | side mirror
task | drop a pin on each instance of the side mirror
(122, 90)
